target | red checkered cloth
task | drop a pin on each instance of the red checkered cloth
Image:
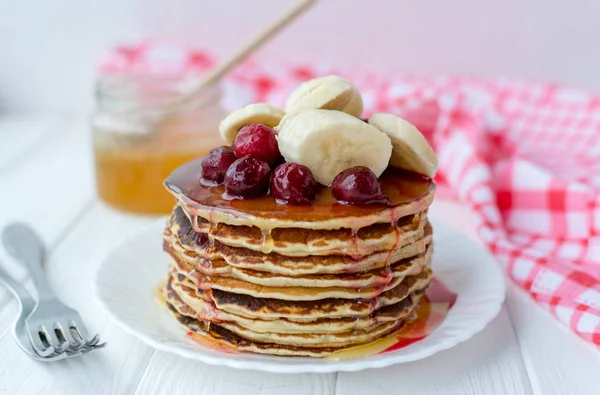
(525, 157)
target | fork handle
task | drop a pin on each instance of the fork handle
(34, 267)
(17, 290)
(27, 248)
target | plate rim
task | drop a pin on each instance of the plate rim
(350, 365)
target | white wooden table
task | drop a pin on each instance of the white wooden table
(46, 178)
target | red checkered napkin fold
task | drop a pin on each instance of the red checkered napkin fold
(528, 165)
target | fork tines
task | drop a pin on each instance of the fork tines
(70, 341)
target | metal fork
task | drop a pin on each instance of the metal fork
(53, 327)
(19, 330)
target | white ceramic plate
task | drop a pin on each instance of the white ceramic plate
(125, 281)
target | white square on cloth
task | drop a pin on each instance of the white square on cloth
(547, 282)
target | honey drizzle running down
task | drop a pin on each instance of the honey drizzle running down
(266, 242)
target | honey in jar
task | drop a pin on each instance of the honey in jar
(140, 138)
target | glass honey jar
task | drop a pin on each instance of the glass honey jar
(140, 137)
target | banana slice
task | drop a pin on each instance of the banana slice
(329, 93)
(355, 107)
(329, 141)
(252, 113)
(411, 149)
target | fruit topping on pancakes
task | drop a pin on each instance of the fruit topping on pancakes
(318, 139)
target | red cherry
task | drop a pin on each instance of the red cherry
(357, 185)
(216, 162)
(247, 177)
(258, 141)
(293, 183)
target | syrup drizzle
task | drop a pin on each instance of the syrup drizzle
(266, 241)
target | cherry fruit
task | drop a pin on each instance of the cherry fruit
(357, 185)
(293, 183)
(216, 162)
(247, 177)
(258, 141)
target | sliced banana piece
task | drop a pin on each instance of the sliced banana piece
(328, 93)
(411, 149)
(355, 107)
(252, 113)
(329, 141)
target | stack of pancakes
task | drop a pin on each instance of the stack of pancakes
(297, 288)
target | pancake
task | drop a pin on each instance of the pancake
(398, 272)
(194, 247)
(305, 311)
(317, 340)
(313, 342)
(220, 268)
(207, 311)
(303, 242)
(230, 342)
(408, 194)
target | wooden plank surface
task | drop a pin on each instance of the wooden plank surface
(46, 179)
